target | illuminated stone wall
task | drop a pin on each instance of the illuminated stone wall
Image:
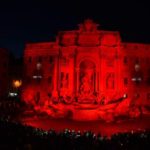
(87, 65)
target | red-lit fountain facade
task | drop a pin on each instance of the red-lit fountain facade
(87, 74)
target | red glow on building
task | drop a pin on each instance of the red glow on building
(87, 74)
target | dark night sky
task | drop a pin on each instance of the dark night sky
(32, 21)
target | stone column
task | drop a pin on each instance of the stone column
(94, 80)
(77, 81)
(71, 76)
(55, 78)
(58, 75)
(97, 81)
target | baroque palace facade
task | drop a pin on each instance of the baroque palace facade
(88, 65)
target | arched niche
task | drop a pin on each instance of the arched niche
(87, 78)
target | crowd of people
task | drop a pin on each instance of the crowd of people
(22, 137)
(16, 136)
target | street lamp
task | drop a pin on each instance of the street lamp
(17, 83)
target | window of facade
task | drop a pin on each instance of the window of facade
(30, 59)
(49, 94)
(38, 80)
(50, 59)
(137, 60)
(40, 59)
(38, 66)
(148, 96)
(125, 81)
(49, 79)
(125, 60)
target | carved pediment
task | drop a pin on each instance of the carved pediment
(88, 26)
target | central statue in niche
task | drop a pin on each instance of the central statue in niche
(86, 88)
(87, 79)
